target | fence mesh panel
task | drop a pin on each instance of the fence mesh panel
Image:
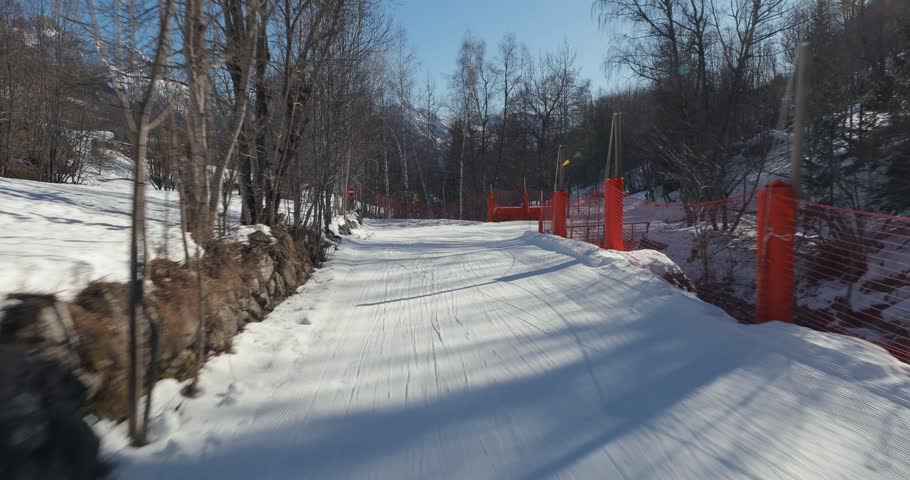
(853, 275)
(474, 208)
(714, 243)
(585, 216)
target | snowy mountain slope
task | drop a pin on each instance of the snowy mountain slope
(464, 350)
(55, 238)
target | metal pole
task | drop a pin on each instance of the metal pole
(556, 176)
(799, 121)
(618, 163)
(610, 148)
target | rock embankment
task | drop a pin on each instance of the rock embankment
(61, 360)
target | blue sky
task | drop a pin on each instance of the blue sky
(435, 29)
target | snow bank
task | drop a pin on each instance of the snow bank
(241, 233)
(109, 165)
(593, 256)
(348, 225)
(57, 238)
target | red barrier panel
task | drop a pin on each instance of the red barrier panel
(524, 212)
(613, 223)
(560, 205)
(776, 229)
(511, 214)
(471, 208)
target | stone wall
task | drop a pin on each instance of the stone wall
(60, 360)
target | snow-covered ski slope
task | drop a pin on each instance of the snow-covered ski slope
(430, 350)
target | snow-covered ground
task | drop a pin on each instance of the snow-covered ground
(460, 350)
(55, 238)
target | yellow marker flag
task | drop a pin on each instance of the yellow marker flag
(565, 163)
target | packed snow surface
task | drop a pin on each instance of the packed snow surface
(431, 350)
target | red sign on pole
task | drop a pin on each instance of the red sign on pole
(351, 191)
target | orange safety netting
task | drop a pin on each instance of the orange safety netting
(585, 217)
(853, 275)
(515, 205)
(500, 205)
(472, 208)
(763, 255)
(714, 243)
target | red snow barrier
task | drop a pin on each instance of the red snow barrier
(583, 215)
(763, 255)
(774, 275)
(472, 208)
(527, 211)
(613, 214)
(523, 205)
(853, 275)
(760, 256)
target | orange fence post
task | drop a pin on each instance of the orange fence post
(613, 214)
(560, 204)
(774, 281)
(491, 206)
(525, 204)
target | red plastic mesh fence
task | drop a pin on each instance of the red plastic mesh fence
(714, 243)
(853, 275)
(474, 208)
(515, 205)
(851, 268)
(585, 216)
(545, 224)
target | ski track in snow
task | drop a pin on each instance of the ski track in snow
(460, 350)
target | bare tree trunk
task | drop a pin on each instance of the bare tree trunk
(464, 139)
(141, 125)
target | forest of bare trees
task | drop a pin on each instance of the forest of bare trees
(279, 106)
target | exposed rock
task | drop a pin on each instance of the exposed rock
(262, 298)
(280, 287)
(256, 311)
(221, 326)
(260, 238)
(265, 267)
(289, 274)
